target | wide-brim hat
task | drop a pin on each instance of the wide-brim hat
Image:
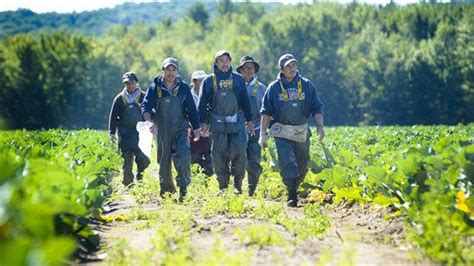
(247, 59)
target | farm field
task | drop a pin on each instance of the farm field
(378, 195)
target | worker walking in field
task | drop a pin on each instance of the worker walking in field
(224, 107)
(289, 101)
(124, 116)
(200, 150)
(255, 90)
(170, 107)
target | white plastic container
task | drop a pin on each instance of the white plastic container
(145, 137)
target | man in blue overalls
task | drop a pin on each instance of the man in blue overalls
(170, 102)
(124, 116)
(255, 90)
(224, 107)
(290, 100)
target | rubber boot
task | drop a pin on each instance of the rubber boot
(292, 197)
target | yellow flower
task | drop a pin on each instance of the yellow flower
(316, 195)
(465, 205)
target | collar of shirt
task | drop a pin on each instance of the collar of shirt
(196, 95)
(163, 85)
(131, 97)
(251, 82)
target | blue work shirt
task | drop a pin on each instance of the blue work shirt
(258, 97)
(184, 95)
(273, 99)
(238, 86)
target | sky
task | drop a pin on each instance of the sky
(68, 6)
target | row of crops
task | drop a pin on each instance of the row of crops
(424, 173)
(53, 182)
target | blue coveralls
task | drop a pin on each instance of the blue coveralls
(292, 109)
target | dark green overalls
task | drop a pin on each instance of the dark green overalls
(128, 140)
(172, 141)
(229, 137)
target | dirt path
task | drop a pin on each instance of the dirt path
(358, 235)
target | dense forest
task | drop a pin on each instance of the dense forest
(372, 65)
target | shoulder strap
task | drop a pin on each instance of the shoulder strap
(214, 81)
(300, 91)
(124, 100)
(255, 88)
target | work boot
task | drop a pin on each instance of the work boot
(252, 190)
(292, 197)
(182, 193)
(139, 176)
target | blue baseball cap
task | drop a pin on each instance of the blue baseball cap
(286, 59)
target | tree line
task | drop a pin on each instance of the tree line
(372, 65)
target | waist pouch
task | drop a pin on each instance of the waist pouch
(226, 124)
(295, 133)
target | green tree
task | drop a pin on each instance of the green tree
(198, 13)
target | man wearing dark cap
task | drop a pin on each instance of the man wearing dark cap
(255, 90)
(225, 107)
(170, 107)
(290, 100)
(124, 116)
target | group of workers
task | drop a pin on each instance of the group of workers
(220, 122)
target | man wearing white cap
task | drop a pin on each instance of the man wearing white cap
(200, 150)
(224, 105)
(170, 101)
(290, 100)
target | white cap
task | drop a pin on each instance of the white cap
(198, 74)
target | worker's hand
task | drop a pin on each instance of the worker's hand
(320, 132)
(250, 129)
(204, 129)
(153, 128)
(113, 138)
(262, 140)
(197, 135)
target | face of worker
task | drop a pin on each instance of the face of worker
(248, 71)
(170, 73)
(197, 84)
(289, 71)
(131, 85)
(223, 63)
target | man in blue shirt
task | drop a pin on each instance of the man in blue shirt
(224, 107)
(255, 90)
(170, 107)
(289, 101)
